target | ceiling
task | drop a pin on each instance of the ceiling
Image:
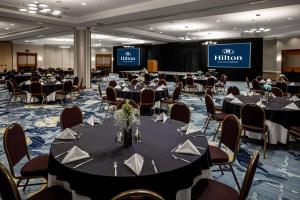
(149, 21)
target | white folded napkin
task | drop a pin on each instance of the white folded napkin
(126, 89)
(117, 87)
(188, 148)
(75, 154)
(163, 86)
(135, 163)
(142, 89)
(93, 120)
(262, 81)
(230, 96)
(236, 100)
(42, 83)
(152, 84)
(58, 83)
(224, 148)
(269, 80)
(67, 134)
(292, 84)
(124, 85)
(260, 104)
(162, 117)
(294, 98)
(190, 128)
(292, 106)
(28, 82)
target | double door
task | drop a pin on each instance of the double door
(5, 56)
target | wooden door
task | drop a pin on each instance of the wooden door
(7, 56)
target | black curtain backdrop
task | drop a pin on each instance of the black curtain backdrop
(192, 57)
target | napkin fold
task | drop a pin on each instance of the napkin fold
(260, 104)
(42, 83)
(188, 148)
(190, 128)
(162, 117)
(159, 88)
(294, 98)
(67, 134)
(124, 85)
(237, 101)
(272, 95)
(269, 80)
(117, 87)
(126, 89)
(292, 106)
(75, 154)
(135, 163)
(292, 84)
(28, 82)
(262, 81)
(93, 120)
(152, 84)
(230, 96)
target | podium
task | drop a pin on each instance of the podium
(152, 66)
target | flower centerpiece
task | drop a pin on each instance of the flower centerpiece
(267, 88)
(125, 118)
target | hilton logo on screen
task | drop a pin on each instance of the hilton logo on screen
(127, 57)
(228, 54)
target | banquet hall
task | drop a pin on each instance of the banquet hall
(149, 99)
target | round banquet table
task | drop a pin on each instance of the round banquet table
(96, 179)
(278, 118)
(292, 89)
(135, 93)
(48, 88)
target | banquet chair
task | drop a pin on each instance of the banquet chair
(277, 92)
(129, 78)
(210, 83)
(130, 101)
(256, 87)
(111, 99)
(162, 76)
(70, 116)
(283, 86)
(147, 77)
(113, 83)
(147, 99)
(15, 146)
(176, 78)
(233, 90)
(77, 89)
(294, 132)
(221, 84)
(209, 189)
(9, 189)
(190, 85)
(14, 92)
(138, 194)
(134, 82)
(209, 92)
(283, 78)
(226, 151)
(212, 114)
(253, 119)
(34, 78)
(248, 84)
(173, 99)
(162, 82)
(76, 81)
(259, 78)
(181, 112)
(66, 90)
(103, 98)
(36, 90)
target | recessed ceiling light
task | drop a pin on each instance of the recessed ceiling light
(7, 28)
(26, 41)
(32, 11)
(290, 18)
(234, 28)
(12, 24)
(23, 9)
(43, 5)
(151, 28)
(32, 5)
(83, 4)
(160, 32)
(218, 20)
(32, 8)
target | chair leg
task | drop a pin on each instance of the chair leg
(9, 100)
(221, 169)
(25, 185)
(216, 131)
(265, 143)
(100, 105)
(107, 110)
(206, 125)
(234, 176)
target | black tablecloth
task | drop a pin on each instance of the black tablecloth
(96, 179)
(20, 78)
(274, 110)
(48, 88)
(135, 93)
(292, 89)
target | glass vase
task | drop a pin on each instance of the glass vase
(127, 137)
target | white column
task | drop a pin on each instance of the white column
(82, 55)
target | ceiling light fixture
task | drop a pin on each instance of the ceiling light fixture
(209, 43)
(290, 18)
(40, 8)
(83, 4)
(257, 29)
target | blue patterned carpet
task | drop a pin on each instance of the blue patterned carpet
(277, 177)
